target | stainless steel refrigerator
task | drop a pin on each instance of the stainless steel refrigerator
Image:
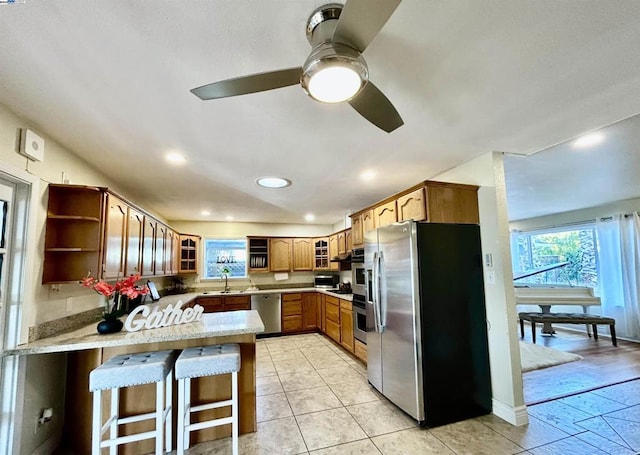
(427, 346)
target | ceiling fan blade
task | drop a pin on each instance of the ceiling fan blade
(249, 84)
(361, 20)
(375, 107)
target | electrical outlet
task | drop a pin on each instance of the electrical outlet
(69, 303)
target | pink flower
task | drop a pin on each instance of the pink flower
(126, 287)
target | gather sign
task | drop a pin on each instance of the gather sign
(155, 318)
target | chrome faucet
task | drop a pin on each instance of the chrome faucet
(226, 285)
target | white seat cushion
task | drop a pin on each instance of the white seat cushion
(208, 361)
(126, 370)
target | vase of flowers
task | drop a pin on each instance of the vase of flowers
(116, 297)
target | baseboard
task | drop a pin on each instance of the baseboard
(515, 416)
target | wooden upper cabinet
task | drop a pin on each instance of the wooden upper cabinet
(412, 206)
(321, 253)
(368, 222)
(258, 254)
(450, 203)
(149, 246)
(333, 252)
(303, 254)
(133, 248)
(280, 255)
(161, 240)
(94, 230)
(170, 256)
(188, 250)
(356, 231)
(74, 233)
(114, 238)
(342, 242)
(385, 214)
(348, 239)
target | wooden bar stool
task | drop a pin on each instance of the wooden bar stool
(196, 363)
(127, 370)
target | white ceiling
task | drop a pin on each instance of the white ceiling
(110, 80)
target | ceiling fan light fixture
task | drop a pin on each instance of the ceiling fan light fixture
(334, 73)
(334, 84)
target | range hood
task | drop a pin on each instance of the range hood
(346, 257)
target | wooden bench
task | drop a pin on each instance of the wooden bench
(568, 318)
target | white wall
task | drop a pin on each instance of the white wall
(44, 385)
(231, 230)
(576, 216)
(487, 171)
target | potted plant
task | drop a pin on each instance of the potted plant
(116, 296)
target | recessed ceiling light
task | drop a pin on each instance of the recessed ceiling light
(205, 213)
(309, 217)
(175, 158)
(228, 218)
(273, 182)
(588, 140)
(368, 175)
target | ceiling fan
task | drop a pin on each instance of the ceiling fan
(335, 71)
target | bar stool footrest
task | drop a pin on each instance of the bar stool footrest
(209, 424)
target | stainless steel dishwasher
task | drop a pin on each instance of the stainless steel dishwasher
(268, 307)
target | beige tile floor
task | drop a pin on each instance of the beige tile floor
(314, 398)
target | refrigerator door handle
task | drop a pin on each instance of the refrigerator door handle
(375, 296)
(382, 309)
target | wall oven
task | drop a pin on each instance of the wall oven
(359, 318)
(357, 272)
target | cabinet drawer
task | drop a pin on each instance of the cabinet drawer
(345, 304)
(361, 351)
(238, 300)
(290, 297)
(230, 306)
(210, 301)
(333, 331)
(292, 323)
(332, 300)
(333, 313)
(212, 307)
(292, 308)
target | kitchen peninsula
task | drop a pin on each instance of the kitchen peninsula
(87, 349)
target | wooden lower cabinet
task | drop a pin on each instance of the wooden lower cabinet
(140, 399)
(291, 312)
(216, 304)
(360, 350)
(333, 330)
(332, 318)
(299, 312)
(309, 313)
(346, 325)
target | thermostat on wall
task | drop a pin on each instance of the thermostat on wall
(31, 145)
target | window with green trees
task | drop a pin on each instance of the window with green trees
(576, 245)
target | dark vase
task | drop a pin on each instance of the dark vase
(111, 326)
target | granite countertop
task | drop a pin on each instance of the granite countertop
(217, 324)
(225, 323)
(188, 297)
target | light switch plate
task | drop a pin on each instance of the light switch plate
(31, 145)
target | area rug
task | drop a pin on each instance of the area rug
(535, 357)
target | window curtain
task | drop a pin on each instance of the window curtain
(619, 271)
